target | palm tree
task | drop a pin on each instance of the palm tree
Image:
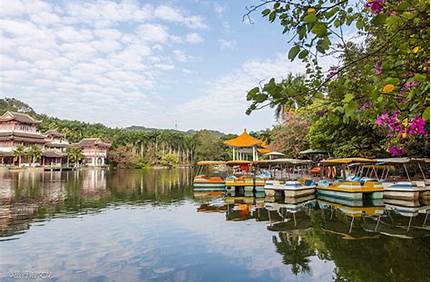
(295, 252)
(18, 153)
(34, 152)
(74, 154)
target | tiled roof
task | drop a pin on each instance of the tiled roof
(54, 133)
(23, 118)
(243, 140)
(89, 142)
(52, 154)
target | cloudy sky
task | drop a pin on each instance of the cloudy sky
(159, 64)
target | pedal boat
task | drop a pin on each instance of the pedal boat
(202, 182)
(353, 187)
(411, 188)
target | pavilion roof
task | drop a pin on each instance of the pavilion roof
(243, 140)
(90, 142)
(20, 117)
(54, 133)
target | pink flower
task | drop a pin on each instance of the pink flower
(378, 68)
(410, 84)
(396, 151)
(375, 5)
(381, 119)
(417, 126)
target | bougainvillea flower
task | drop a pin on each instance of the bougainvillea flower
(410, 84)
(388, 88)
(381, 119)
(378, 68)
(375, 5)
(396, 151)
(417, 126)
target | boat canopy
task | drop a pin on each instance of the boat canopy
(284, 161)
(244, 140)
(346, 161)
(402, 160)
(274, 153)
(202, 163)
(313, 151)
(237, 162)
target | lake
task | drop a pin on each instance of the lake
(148, 225)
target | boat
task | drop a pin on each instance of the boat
(242, 178)
(205, 182)
(404, 178)
(350, 184)
(290, 177)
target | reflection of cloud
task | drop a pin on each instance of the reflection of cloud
(135, 243)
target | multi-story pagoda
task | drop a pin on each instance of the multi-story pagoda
(17, 129)
(95, 151)
(55, 148)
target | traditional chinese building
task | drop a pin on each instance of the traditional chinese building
(95, 151)
(17, 129)
(55, 148)
(246, 147)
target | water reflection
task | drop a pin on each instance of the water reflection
(150, 225)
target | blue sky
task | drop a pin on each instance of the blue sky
(150, 63)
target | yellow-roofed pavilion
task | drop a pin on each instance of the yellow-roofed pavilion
(245, 145)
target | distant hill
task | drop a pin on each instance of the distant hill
(76, 130)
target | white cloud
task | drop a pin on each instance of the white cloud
(62, 57)
(194, 38)
(219, 9)
(226, 44)
(223, 104)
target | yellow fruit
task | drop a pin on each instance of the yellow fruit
(406, 122)
(416, 49)
(388, 88)
(311, 10)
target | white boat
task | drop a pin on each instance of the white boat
(296, 185)
(413, 184)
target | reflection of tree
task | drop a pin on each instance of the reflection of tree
(295, 252)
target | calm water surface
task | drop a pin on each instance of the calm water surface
(129, 225)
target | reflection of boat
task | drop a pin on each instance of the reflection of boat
(342, 219)
(242, 179)
(403, 220)
(411, 182)
(207, 195)
(204, 182)
(349, 187)
(289, 177)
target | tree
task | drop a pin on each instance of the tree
(169, 160)
(74, 155)
(122, 156)
(208, 146)
(34, 153)
(290, 136)
(383, 83)
(18, 153)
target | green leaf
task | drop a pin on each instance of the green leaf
(360, 24)
(379, 19)
(310, 18)
(260, 98)
(419, 77)
(272, 16)
(252, 93)
(348, 97)
(319, 29)
(266, 12)
(303, 54)
(293, 52)
(426, 114)
(330, 13)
